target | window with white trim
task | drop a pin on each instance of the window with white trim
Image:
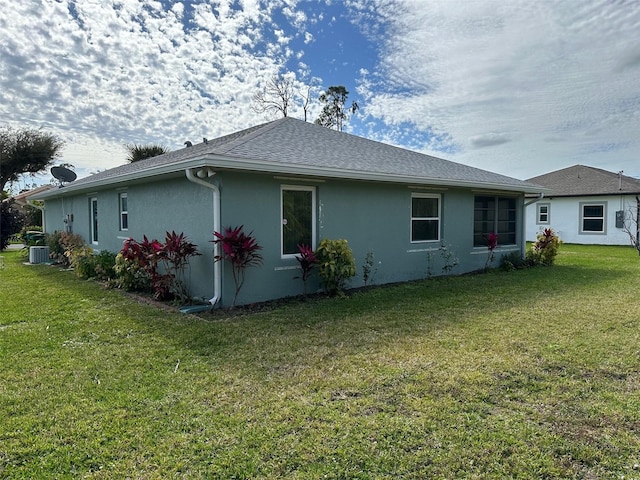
(543, 210)
(425, 217)
(298, 218)
(124, 212)
(592, 217)
(497, 215)
(93, 216)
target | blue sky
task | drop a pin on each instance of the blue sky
(520, 88)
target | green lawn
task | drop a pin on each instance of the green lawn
(528, 374)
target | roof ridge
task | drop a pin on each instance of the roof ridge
(249, 134)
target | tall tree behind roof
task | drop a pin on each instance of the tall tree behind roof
(275, 98)
(141, 152)
(334, 113)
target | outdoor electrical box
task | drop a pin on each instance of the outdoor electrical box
(620, 219)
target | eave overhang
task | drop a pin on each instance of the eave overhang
(269, 167)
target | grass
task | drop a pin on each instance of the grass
(528, 374)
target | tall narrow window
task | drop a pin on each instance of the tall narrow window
(298, 218)
(497, 215)
(425, 217)
(124, 212)
(543, 213)
(592, 217)
(93, 215)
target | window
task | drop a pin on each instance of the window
(425, 217)
(298, 218)
(592, 217)
(93, 215)
(543, 213)
(124, 212)
(497, 215)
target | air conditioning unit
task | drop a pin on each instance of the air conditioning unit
(38, 254)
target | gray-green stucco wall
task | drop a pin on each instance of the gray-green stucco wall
(373, 217)
(153, 209)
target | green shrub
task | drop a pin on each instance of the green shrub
(514, 261)
(545, 249)
(130, 275)
(89, 264)
(60, 243)
(336, 264)
(82, 261)
(105, 265)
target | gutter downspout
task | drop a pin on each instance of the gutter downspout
(197, 175)
(540, 197)
(523, 249)
(39, 207)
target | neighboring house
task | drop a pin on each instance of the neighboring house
(291, 182)
(23, 198)
(586, 205)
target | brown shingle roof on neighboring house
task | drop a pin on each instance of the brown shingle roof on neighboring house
(580, 180)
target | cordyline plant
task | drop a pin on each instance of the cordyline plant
(546, 246)
(307, 260)
(175, 254)
(150, 255)
(240, 250)
(492, 243)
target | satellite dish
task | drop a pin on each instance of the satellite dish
(63, 174)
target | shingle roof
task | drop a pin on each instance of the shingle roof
(580, 180)
(294, 146)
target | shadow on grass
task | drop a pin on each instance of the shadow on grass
(366, 320)
(282, 331)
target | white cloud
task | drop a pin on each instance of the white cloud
(101, 74)
(501, 78)
(516, 87)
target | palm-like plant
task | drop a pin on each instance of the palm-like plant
(240, 250)
(142, 152)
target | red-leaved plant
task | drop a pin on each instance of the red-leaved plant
(240, 250)
(307, 260)
(492, 243)
(173, 255)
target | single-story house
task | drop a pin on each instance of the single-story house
(291, 182)
(586, 205)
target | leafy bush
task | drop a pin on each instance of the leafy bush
(60, 243)
(86, 263)
(129, 274)
(546, 247)
(81, 260)
(514, 261)
(157, 265)
(11, 221)
(336, 264)
(240, 250)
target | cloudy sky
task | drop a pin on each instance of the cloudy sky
(517, 87)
